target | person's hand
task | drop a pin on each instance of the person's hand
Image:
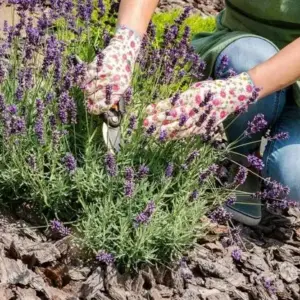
(199, 110)
(109, 75)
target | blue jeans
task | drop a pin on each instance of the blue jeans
(281, 158)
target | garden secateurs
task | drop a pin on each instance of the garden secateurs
(111, 127)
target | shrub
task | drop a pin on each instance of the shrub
(145, 204)
(195, 22)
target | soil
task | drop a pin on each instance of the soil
(204, 7)
(34, 267)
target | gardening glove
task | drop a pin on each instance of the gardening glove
(199, 110)
(109, 75)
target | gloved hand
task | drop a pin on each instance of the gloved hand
(109, 75)
(199, 110)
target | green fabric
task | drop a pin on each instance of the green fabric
(277, 21)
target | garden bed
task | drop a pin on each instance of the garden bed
(32, 267)
(131, 225)
(204, 7)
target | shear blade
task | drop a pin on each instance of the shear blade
(112, 137)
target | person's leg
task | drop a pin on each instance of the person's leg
(244, 54)
(281, 158)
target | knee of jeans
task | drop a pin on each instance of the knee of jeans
(244, 54)
(283, 165)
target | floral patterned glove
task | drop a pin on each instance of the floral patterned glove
(109, 75)
(199, 110)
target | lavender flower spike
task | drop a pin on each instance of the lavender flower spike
(236, 254)
(69, 162)
(220, 216)
(104, 257)
(145, 216)
(110, 163)
(256, 125)
(143, 171)
(169, 170)
(58, 229)
(255, 162)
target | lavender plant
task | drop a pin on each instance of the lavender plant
(143, 204)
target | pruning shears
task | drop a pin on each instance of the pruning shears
(111, 126)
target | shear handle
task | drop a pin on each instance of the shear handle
(113, 117)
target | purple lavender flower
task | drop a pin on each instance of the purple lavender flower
(127, 95)
(203, 116)
(110, 163)
(106, 258)
(241, 176)
(12, 109)
(236, 254)
(151, 129)
(145, 216)
(186, 12)
(56, 135)
(52, 121)
(191, 157)
(194, 195)
(129, 182)
(114, 7)
(101, 7)
(129, 188)
(2, 103)
(67, 108)
(175, 99)
(151, 31)
(273, 190)
(203, 176)
(210, 124)
(106, 38)
(143, 171)
(222, 66)
(282, 204)
(269, 285)
(220, 216)
(49, 97)
(13, 124)
(108, 93)
(33, 35)
(163, 135)
(256, 125)
(79, 72)
(84, 10)
(129, 174)
(211, 170)
(182, 120)
(255, 162)
(54, 49)
(170, 34)
(169, 170)
(43, 23)
(132, 122)
(231, 200)
(58, 229)
(279, 136)
(181, 73)
(70, 162)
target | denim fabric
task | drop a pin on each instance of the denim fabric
(281, 158)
